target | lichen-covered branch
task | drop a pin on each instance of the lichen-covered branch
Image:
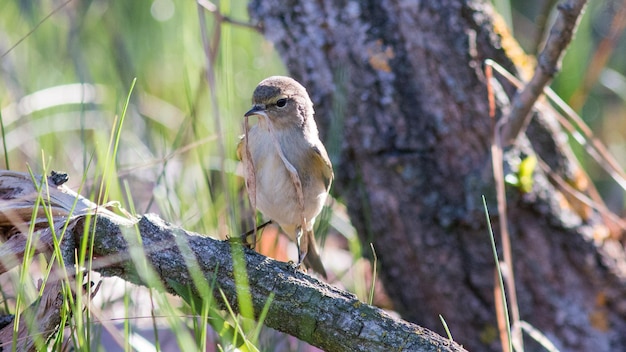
(21, 197)
(301, 306)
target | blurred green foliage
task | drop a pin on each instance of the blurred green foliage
(66, 69)
(105, 45)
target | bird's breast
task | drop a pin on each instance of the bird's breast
(276, 195)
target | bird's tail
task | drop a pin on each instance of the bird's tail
(312, 259)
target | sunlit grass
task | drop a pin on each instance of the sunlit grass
(120, 141)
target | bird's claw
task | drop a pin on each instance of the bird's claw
(297, 266)
(236, 239)
(243, 238)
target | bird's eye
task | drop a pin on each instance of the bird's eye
(281, 103)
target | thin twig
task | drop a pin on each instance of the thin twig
(541, 24)
(590, 201)
(498, 175)
(57, 9)
(211, 7)
(548, 64)
(507, 252)
(581, 133)
(210, 52)
(130, 169)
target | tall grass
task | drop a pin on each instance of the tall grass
(121, 146)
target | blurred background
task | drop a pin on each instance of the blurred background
(67, 70)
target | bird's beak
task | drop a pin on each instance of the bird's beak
(258, 110)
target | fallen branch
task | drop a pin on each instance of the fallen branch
(37, 323)
(301, 306)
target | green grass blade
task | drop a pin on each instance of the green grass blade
(500, 280)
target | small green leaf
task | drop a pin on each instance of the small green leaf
(525, 174)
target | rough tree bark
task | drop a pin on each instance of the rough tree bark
(401, 100)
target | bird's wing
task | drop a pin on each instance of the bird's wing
(240, 148)
(321, 156)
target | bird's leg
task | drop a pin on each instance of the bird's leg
(243, 238)
(298, 238)
(302, 242)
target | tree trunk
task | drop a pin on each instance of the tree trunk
(401, 100)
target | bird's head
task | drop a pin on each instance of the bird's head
(283, 101)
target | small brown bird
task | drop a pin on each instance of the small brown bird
(285, 138)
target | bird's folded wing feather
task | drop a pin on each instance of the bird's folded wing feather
(321, 156)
